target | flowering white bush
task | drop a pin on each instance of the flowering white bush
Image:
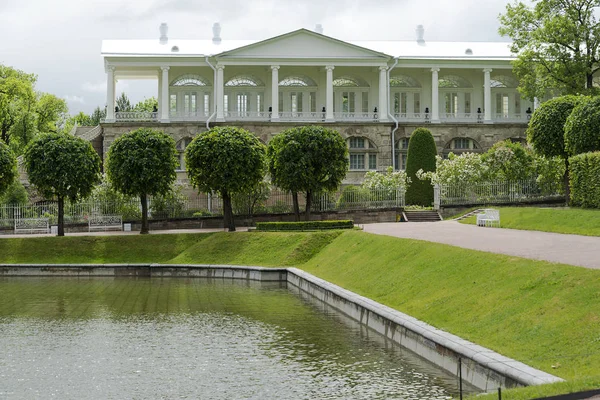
(389, 180)
(464, 168)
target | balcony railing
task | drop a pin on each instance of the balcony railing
(247, 116)
(135, 116)
(412, 117)
(187, 116)
(308, 116)
(356, 116)
(504, 117)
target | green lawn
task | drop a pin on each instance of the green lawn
(546, 315)
(560, 220)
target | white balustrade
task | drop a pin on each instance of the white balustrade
(127, 116)
(187, 116)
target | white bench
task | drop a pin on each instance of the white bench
(489, 217)
(105, 222)
(32, 225)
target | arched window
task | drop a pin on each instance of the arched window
(404, 81)
(301, 81)
(190, 80)
(348, 81)
(502, 81)
(363, 154)
(244, 80)
(461, 145)
(401, 153)
(181, 146)
(453, 81)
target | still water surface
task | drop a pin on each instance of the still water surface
(91, 338)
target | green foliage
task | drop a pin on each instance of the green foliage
(389, 181)
(556, 43)
(464, 168)
(110, 201)
(123, 103)
(142, 162)
(305, 225)
(62, 166)
(227, 160)
(352, 194)
(246, 203)
(546, 131)
(8, 168)
(170, 204)
(17, 105)
(550, 172)
(585, 180)
(421, 157)
(51, 112)
(15, 194)
(509, 161)
(582, 129)
(146, 105)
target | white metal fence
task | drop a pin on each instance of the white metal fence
(495, 192)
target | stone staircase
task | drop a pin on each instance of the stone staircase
(422, 216)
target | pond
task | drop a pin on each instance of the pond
(116, 338)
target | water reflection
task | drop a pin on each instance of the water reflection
(193, 338)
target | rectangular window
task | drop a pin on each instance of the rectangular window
(505, 105)
(357, 143)
(186, 103)
(280, 101)
(345, 102)
(242, 103)
(259, 102)
(462, 143)
(517, 103)
(365, 102)
(467, 103)
(352, 102)
(313, 101)
(451, 103)
(193, 108)
(294, 102)
(417, 103)
(207, 105)
(403, 158)
(357, 161)
(226, 103)
(372, 161)
(403, 101)
(173, 103)
(396, 103)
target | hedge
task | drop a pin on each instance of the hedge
(585, 180)
(304, 225)
(582, 129)
(421, 155)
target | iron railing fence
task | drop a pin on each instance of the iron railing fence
(494, 192)
(273, 202)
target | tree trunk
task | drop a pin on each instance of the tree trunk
(61, 216)
(228, 221)
(308, 205)
(296, 206)
(145, 228)
(589, 81)
(567, 183)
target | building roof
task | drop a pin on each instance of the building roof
(394, 48)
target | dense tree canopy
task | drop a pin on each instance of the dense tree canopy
(421, 157)
(62, 166)
(123, 104)
(557, 43)
(227, 160)
(582, 129)
(309, 159)
(142, 163)
(8, 168)
(147, 105)
(509, 161)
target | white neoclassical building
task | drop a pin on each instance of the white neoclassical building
(374, 92)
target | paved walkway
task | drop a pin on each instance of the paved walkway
(578, 250)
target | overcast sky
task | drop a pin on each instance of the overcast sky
(59, 40)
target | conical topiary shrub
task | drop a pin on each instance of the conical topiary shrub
(421, 155)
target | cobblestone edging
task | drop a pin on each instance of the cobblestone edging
(481, 367)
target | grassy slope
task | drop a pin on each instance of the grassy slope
(561, 220)
(546, 315)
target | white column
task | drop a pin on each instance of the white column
(329, 93)
(435, 96)
(160, 95)
(383, 89)
(536, 103)
(275, 91)
(110, 94)
(487, 96)
(220, 94)
(164, 112)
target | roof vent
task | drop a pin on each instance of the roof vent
(164, 29)
(420, 34)
(216, 33)
(319, 29)
(469, 52)
(174, 49)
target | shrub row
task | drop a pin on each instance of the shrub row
(585, 180)
(304, 226)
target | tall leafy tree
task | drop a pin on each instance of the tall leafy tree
(546, 131)
(123, 103)
(556, 42)
(51, 112)
(8, 168)
(62, 166)
(142, 163)
(17, 102)
(582, 128)
(147, 105)
(421, 157)
(97, 115)
(308, 159)
(227, 160)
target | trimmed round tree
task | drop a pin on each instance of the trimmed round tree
(308, 159)
(582, 129)
(142, 163)
(421, 156)
(546, 131)
(227, 160)
(62, 166)
(8, 168)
